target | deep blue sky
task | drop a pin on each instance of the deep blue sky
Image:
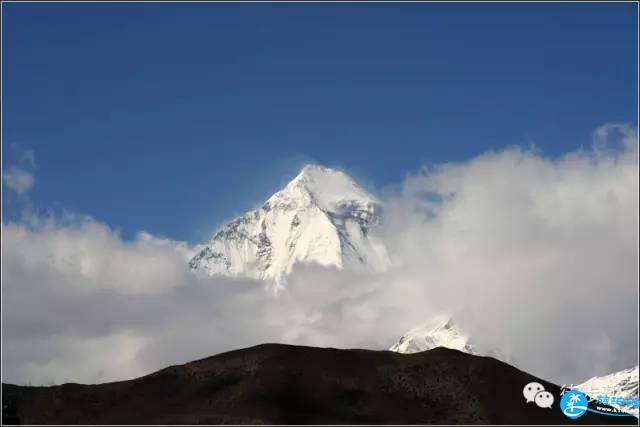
(173, 117)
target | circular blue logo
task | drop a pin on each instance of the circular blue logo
(573, 404)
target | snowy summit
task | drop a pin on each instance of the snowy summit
(444, 331)
(618, 384)
(322, 217)
(441, 331)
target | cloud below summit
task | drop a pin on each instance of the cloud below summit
(537, 256)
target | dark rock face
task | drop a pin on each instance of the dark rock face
(282, 384)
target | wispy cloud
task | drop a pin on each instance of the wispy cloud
(18, 180)
(20, 177)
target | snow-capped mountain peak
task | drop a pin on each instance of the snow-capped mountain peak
(322, 216)
(327, 188)
(441, 331)
(618, 384)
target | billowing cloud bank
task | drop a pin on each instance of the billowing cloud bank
(537, 256)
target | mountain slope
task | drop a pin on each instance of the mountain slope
(322, 216)
(283, 384)
(618, 384)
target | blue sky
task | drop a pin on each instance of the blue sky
(170, 118)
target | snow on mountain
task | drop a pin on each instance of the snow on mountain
(322, 216)
(618, 384)
(441, 331)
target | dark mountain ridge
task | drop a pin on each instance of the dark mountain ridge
(285, 384)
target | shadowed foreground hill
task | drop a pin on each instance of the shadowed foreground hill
(282, 384)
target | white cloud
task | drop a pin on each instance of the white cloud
(18, 180)
(537, 256)
(183, 248)
(20, 177)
